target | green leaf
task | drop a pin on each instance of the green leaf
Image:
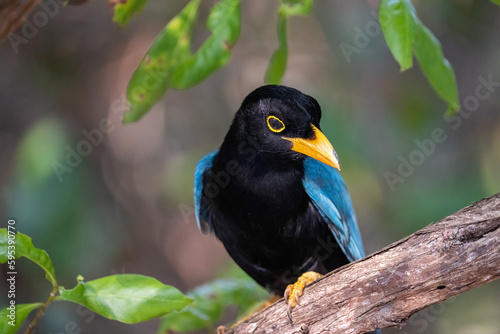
(210, 301)
(295, 7)
(496, 2)
(277, 64)
(125, 11)
(398, 20)
(152, 77)
(436, 67)
(224, 21)
(128, 298)
(405, 34)
(169, 63)
(19, 245)
(7, 324)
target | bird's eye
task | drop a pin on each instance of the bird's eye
(275, 124)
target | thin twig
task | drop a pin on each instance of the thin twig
(41, 311)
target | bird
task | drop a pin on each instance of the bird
(273, 195)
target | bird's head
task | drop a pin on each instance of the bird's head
(285, 122)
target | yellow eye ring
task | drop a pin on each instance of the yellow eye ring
(275, 127)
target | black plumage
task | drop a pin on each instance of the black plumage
(253, 196)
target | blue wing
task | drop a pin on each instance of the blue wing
(329, 195)
(200, 209)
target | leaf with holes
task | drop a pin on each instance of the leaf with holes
(169, 63)
(151, 79)
(224, 23)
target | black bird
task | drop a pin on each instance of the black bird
(272, 194)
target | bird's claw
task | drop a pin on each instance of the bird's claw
(289, 302)
(294, 291)
(292, 297)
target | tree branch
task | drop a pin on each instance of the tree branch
(442, 260)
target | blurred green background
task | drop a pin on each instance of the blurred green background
(126, 205)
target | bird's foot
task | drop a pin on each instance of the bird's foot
(294, 291)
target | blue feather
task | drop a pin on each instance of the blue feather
(328, 192)
(200, 209)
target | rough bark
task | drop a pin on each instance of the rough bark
(442, 260)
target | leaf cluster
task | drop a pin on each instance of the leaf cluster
(130, 298)
(169, 62)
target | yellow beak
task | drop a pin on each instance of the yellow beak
(317, 147)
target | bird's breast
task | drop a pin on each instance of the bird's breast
(264, 205)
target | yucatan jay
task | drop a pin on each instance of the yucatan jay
(273, 195)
